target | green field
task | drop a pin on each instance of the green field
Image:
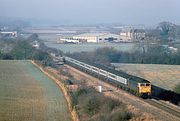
(165, 76)
(87, 47)
(26, 94)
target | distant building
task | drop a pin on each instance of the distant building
(139, 34)
(97, 37)
(69, 40)
(173, 49)
(126, 34)
(8, 34)
(35, 44)
(130, 34)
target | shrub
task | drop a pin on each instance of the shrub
(96, 107)
(92, 105)
(73, 99)
(121, 115)
(65, 72)
(68, 82)
(111, 104)
(100, 117)
(85, 90)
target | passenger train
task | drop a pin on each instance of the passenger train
(136, 85)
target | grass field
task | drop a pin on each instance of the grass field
(166, 76)
(26, 94)
(87, 47)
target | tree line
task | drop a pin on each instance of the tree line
(152, 55)
(21, 49)
(165, 32)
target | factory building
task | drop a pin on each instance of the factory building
(130, 34)
(8, 34)
(69, 40)
(97, 37)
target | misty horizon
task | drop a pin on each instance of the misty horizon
(80, 12)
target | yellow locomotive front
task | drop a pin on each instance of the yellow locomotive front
(144, 88)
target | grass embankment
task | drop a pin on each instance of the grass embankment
(89, 104)
(26, 94)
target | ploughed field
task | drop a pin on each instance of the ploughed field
(26, 94)
(165, 76)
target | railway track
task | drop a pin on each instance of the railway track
(174, 111)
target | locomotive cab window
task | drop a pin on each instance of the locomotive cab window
(142, 84)
(147, 84)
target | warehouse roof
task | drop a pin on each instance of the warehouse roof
(91, 34)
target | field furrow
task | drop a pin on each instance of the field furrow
(26, 94)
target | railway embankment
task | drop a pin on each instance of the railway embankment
(146, 110)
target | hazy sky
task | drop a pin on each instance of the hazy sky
(94, 11)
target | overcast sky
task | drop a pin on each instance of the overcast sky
(94, 11)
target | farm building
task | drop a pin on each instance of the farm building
(97, 37)
(130, 34)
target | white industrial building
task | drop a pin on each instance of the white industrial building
(13, 33)
(69, 40)
(97, 37)
(125, 36)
